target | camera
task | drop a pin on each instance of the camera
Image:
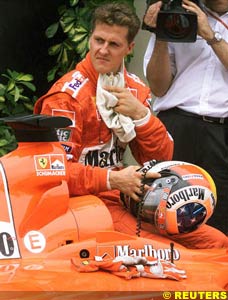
(174, 23)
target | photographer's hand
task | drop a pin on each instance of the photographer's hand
(204, 29)
(206, 32)
(150, 18)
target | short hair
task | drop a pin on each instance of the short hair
(120, 14)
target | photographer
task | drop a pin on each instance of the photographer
(190, 81)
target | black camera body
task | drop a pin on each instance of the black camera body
(174, 23)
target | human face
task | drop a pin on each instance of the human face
(219, 6)
(108, 47)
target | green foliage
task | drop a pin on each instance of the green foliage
(16, 98)
(74, 25)
(7, 139)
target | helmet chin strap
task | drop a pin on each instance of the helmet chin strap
(141, 203)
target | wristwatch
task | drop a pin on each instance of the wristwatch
(216, 39)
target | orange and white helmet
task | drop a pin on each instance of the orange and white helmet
(181, 200)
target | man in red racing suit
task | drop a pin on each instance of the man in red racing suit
(94, 151)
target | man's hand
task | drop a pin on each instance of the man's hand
(129, 181)
(204, 29)
(127, 104)
(150, 18)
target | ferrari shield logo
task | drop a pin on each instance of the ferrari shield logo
(43, 162)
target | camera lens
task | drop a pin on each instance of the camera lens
(177, 26)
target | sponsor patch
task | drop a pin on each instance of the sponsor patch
(65, 113)
(192, 176)
(63, 134)
(186, 194)
(106, 155)
(136, 78)
(67, 148)
(127, 250)
(73, 86)
(49, 165)
(34, 241)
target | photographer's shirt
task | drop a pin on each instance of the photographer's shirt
(200, 82)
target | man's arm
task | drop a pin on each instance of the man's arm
(221, 50)
(158, 71)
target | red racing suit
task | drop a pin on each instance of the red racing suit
(92, 145)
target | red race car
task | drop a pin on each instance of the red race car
(51, 243)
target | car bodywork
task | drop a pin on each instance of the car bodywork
(42, 228)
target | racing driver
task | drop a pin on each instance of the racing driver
(110, 109)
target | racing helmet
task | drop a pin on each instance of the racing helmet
(180, 201)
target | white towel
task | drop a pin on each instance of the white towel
(122, 126)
